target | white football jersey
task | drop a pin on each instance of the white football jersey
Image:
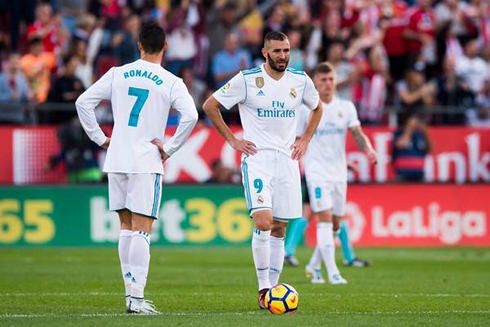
(325, 158)
(141, 94)
(268, 108)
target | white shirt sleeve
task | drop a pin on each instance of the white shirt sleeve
(352, 119)
(303, 114)
(86, 103)
(182, 102)
(310, 95)
(233, 92)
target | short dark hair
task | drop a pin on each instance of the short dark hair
(274, 36)
(152, 37)
(323, 68)
(35, 41)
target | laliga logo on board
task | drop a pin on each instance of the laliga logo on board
(448, 226)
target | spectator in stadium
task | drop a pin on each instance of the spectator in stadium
(452, 91)
(276, 20)
(297, 56)
(221, 20)
(479, 117)
(373, 87)
(48, 28)
(411, 143)
(182, 47)
(228, 62)
(19, 12)
(37, 66)
(124, 43)
(346, 72)
(68, 87)
(413, 93)
(78, 153)
(220, 173)
(451, 11)
(420, 32)
(13, 83)
(472, 68)
(393, 20)
(195, 86)
(85, 70)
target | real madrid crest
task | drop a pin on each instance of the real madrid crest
(292, 93)
(259, 82)
(260, 199)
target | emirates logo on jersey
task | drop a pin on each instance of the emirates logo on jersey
(292, 93)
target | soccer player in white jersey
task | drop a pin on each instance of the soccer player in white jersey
(141, 94)
(269, 98)
(326, 168)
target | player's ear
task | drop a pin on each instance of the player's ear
(264, 53)
(140, 47)
(165, 46)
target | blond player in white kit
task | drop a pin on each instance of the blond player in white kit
(141, 94)
(326, 168)
(269, 98)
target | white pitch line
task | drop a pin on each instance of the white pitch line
(220, 293)
(198, 314)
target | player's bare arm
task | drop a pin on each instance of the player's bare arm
(301, 144)
(363, 143)
(211, 108)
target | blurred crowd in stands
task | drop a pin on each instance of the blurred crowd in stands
(414, 56)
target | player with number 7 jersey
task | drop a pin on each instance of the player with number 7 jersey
(141, 94)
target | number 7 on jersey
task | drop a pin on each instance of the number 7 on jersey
(141, 97)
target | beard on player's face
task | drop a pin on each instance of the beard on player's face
(275, 64)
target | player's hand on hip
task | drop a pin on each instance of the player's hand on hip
(244, 146)
(159, 145)
(372, 156)
(105, 146)
(299, 148)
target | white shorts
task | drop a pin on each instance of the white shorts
(272, 181)
(139, 193)
(328, 196)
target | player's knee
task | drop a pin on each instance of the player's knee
(125, 219)
(263, 224)
(278, 230)
(325, 216)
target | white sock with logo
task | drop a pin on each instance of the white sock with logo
(139, 259)
(262, 254)
(124, 245)
(326, 246)
(316, 259)
(277, 259)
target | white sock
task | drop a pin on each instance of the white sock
(123, 249)
(139, 259)
(262, 255)
(277, 259)
(326, 246)
(316, 259)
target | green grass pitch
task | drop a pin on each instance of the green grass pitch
(217, 287)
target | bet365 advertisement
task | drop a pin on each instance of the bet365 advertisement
(378, 215)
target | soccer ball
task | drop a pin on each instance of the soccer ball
(282, 298)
